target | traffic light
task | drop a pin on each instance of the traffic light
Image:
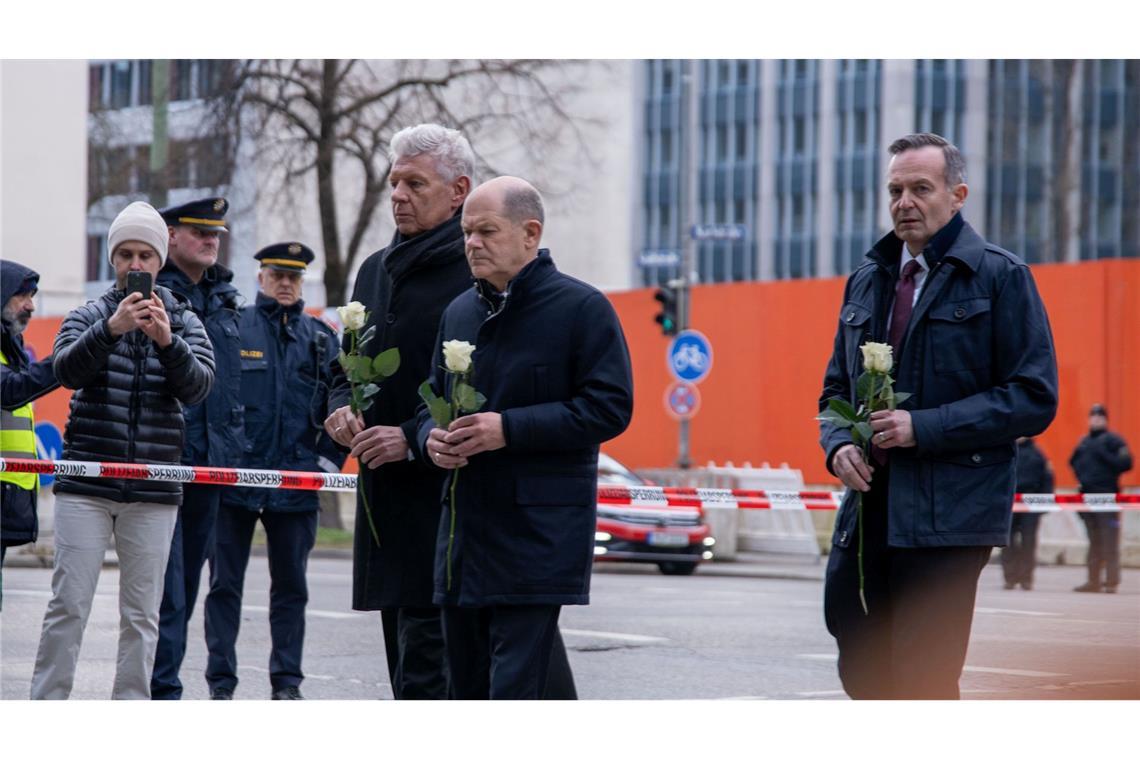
(668, 317)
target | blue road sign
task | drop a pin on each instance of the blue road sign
(690, 356)
(49, 445)
(659, 258)
(718, 231)
(682, 400)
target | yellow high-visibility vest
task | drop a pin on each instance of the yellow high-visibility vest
(18, 440)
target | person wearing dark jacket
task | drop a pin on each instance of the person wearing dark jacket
(132, 362)
(22, 381)
(405, 288)
(1034, 475)
(971, 342)
(214, 427)
(285, 359)
(550, 357)
(1099, 460)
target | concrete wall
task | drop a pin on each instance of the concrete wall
(43, 175)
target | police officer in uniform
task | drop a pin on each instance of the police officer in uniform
(1099, 460)
(285, 373)
(213, 427)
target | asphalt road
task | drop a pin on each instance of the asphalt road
(750, 630)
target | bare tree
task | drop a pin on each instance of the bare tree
(333, 119)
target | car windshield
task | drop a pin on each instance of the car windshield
(613, 473)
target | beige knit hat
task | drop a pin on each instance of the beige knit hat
(139, 221)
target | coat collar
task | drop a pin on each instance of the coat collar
(270, 308)
(535, 271)
(955, 240)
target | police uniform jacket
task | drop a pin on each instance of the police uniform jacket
(129, 393)
(1033, 473)
(1099, 460)
(978, 357)
(405, 288)
(285, 358)
(553, 362)
(213, 427)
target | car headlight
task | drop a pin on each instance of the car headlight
(704, 555)
(600, 550)
(601, 535)
(709, 541)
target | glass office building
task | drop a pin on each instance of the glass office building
(795, 150)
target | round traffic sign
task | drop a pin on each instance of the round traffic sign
(49, 445)
(690, 356)
(682, 400)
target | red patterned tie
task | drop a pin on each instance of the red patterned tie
(900, 317)
(904, 305)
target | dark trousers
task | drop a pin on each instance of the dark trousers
(289, 537)
(190, 548)
(499, 652)
(1104, 547)
(912, 643)
(417, 658)
(1019, 559)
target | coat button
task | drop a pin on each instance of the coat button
(843, 536)
(851, 316)
(976, 458)
(959, 313)
(390, 318)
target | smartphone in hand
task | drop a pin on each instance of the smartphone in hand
(140, 282)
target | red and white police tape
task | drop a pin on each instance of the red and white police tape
(632, 496)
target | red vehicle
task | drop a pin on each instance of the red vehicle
(676, 539)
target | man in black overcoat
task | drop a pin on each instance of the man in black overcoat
(405, 288)
(551, 359)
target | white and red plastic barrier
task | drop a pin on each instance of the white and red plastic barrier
(633, 496)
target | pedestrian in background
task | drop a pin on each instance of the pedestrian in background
(214, 434)
(551, 359)
(22, 381)
(133, 362)
(971, 342)
(1099, 460)
(285, 375)
(1019, 556)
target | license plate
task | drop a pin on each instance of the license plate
(668, 539)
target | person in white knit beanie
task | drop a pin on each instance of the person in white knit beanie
(138, 221)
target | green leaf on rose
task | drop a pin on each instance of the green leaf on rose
(369, 390)
(465, 395)
(834, 418)
(864, 385)
(861, 432)
(843, 409)
(386, 362)
(480, 399)
(439, 409)
(901, 397)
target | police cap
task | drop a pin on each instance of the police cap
(286, 257)
(204, 213)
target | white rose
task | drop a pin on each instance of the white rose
(352, 316)
(877, 357)
(457, 355)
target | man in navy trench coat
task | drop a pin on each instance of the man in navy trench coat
(975, 349)
(551, 359)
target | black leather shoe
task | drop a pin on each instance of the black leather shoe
(1093, 588)
(287, 692)
(221, 693)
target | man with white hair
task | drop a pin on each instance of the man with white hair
(405, 288)
(133, 359)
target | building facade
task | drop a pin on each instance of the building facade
(795, 150)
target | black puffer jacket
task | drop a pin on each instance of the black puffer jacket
(129, 394)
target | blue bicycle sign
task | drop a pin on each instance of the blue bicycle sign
(690, 356)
